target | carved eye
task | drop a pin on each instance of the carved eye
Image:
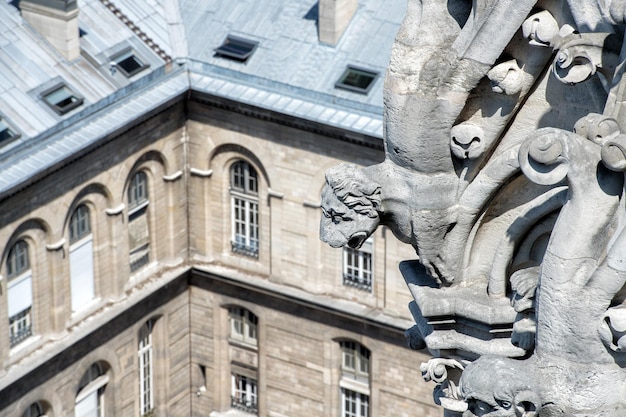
(337, 218)
(480, 408)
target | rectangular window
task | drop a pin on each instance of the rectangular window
(139, 238)
(81, 273)
(244, 393)
(356, 79)
(245, 218)
(235, 48)
(243, 325)
(354, 404)
(355, 360)
(6, 132)
(61, 99)
(129, 63)
(20, 301)
(88, 406)
(357, 266)
(145, 372)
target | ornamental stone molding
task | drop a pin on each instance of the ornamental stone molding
(505, 142)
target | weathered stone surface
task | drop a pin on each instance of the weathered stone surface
(505, 172)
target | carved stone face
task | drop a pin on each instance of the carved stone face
(342, 226)
(496, 408)
(499, 387)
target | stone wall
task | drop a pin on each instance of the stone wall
(294, 286)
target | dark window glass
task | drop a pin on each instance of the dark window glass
(356, 79)
(62, 99)
(236, 48)
(129, 63)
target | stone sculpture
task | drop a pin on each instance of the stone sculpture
(505, 142)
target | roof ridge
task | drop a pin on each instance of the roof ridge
(136, 30)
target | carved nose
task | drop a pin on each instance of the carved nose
(466, 141)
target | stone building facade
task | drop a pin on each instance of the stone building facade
(172, 266)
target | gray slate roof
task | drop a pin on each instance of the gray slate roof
(291, 72)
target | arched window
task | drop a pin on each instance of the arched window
(138, 230)
(19, 293)
(243, 325)
(34, 410)
(146, 368)
(81, 258)
(138, 190)
(244, 190)
(90, 396)
(354, 382)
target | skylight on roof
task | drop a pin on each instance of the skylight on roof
(236, 48)
(6, 132)
(129, 63)
(62, 99)
(356, 79)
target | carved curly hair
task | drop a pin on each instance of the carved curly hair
(353, 188)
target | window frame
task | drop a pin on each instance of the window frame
(125, 55)
(138, 197)
(357, 71)
(19, 274)
(145, 353)
(76, 100)
(244, 208)
(360, 400)
(247, 321)
(91, 383)
(13, 133)
(225, 52)
(81, 252)
(359, 356)
(80, 224)
(358, 266)
(16, 268)
(244, 392)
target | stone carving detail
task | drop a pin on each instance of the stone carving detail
(507, 78)
(467, 141)
(505, 145)
(500, 387)
(445, 373)
(581, 55)
(540, 28)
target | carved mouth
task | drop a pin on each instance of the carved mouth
(357, 239)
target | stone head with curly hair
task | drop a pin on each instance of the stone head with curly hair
(350, 204)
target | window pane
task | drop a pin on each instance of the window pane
(79, 223)
(146, 391)
(81, 274)
(138, 189)
(88, 406)
(6, 132)
(244, 393)
(17, 261)
(357, 266)
(62, 99)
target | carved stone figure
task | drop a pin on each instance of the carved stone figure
(505, 142)
(500, 387)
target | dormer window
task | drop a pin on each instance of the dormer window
(6, 132)
(129, 64)
(62, 99)
(238, 49)
(356, 79)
